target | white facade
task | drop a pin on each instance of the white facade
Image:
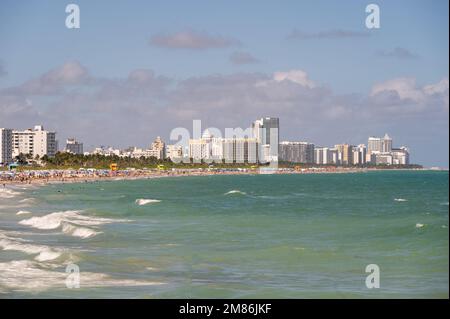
(240, 150)
(174, 151)
(379, 144)
(400, 156)
(266, 131)
(5, 146)
(34, 142)
(359, 154)
(325, 155)
(383, 158)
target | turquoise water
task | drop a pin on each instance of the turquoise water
(265, 236)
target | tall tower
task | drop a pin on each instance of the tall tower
(267, 132)
(387, 143)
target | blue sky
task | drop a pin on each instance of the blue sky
(116, 37)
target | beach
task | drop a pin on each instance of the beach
(42, 176)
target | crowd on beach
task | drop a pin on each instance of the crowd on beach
(86, 175)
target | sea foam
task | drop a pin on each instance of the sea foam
(23, 212)
(71, 222)
(8, 193)
(145, 201)
(235, 191)
(28, 275)
(42, 252)
(400, 200)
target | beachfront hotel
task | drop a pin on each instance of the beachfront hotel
(229, 150)
(36, 142)
(297, 152)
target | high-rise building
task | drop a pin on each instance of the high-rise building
(5, 146)
(267, 132)
(208, 148)
(35, 141)
(387, 143)
(379, 144)
(296, 152)
(325, 155)
(158, 147)
(240, 150)
(346, 153)
(400, 156)
(73, 146)
(174, 151)
(359, 154)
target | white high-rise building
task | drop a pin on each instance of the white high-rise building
(400, 156)
(5, 146)
(240, 150)
(174, 151)
(324, 155)
(35, 141)
(158, 148)
(266, 131)
(379, 144)
(359, 154)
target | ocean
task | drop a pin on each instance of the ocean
(245, 236)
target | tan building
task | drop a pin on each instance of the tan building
(346, 153)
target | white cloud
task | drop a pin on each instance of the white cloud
(296, 76)
(144, 105)
(406, 88)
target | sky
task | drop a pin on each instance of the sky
(138, 69)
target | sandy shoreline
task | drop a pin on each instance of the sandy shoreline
(77, 176)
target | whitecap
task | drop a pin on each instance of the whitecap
(23, 212)
(26, 200)
(44, 253)
(69, 222)
(145, 201)
(235, 191)
(82, 232)
(8, 193)
(26, 275)
(400, 200)
(418, 225)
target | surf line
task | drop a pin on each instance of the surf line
(191, 309)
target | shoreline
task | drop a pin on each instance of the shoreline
(42, 177)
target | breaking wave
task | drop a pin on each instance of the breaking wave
(42, 252)
(235, 191)
(23, 212)
(145, 201)
(71, 222)
(27, 275)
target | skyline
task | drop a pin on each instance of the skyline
(151, 69)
